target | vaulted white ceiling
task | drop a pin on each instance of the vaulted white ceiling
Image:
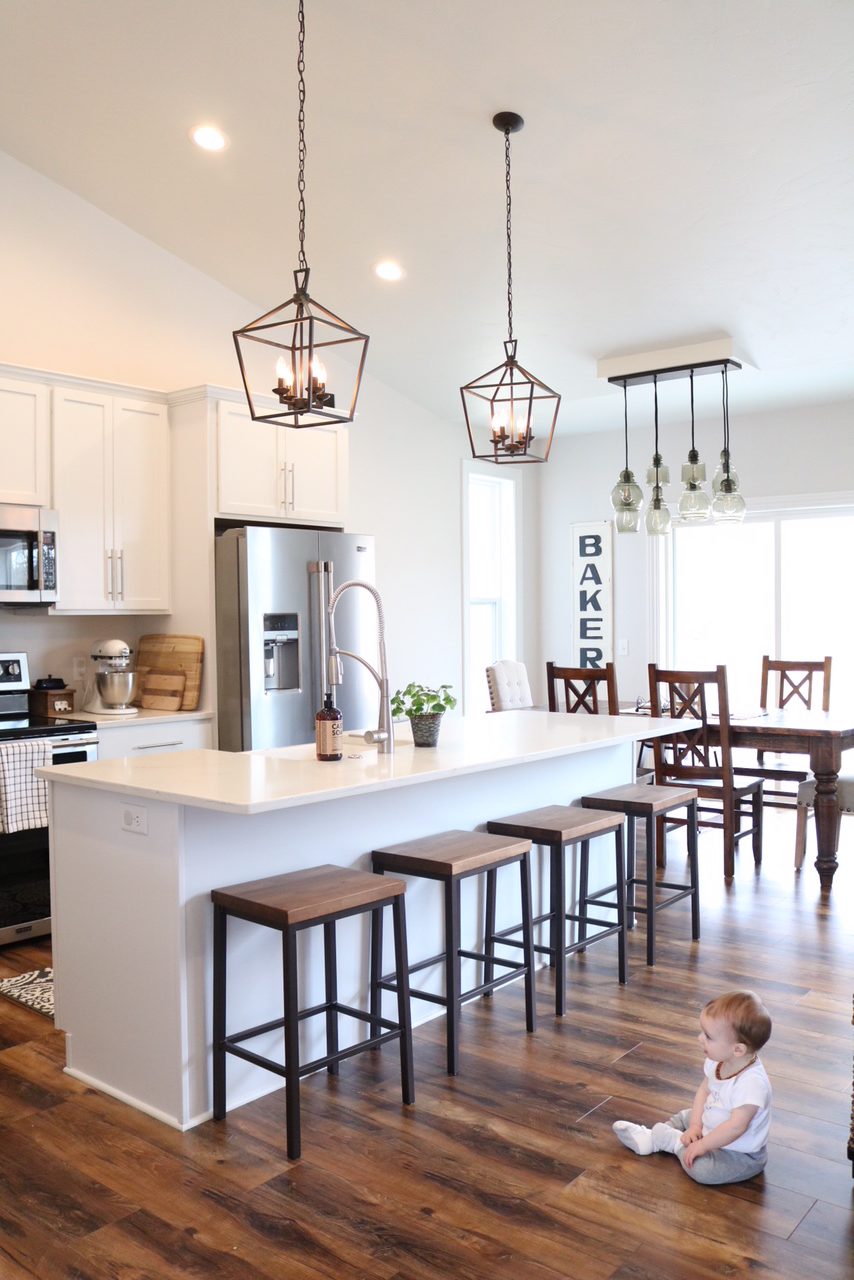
(686, 170)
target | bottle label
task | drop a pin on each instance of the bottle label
(329, 737)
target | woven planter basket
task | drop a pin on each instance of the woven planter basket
(425, 728)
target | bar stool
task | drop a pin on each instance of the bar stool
(290, 904)
(558, 828)
(451, 857)
(639, 800)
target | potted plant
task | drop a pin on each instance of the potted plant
(425, 708)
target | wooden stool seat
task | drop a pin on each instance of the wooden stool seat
(558, 827)
(450, 857)
(291, 903)
(651, 802)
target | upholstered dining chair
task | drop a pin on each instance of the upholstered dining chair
(701, 755)
(583, 689)
(509, 689)
(805, 802)
(797, 685)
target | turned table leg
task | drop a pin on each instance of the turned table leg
(825, 761)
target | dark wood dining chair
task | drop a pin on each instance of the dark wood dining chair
(589, 690)
(701, 756)
(797, 685)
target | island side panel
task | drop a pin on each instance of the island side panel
(119, 947)
(222, 849)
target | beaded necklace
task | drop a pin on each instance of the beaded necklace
(718, 1075)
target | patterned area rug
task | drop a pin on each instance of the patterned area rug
(34, 989)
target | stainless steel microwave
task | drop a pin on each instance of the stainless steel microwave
(27, 555)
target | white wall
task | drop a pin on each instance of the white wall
(795, 452)
(86, 296)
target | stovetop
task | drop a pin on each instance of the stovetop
(21, 726)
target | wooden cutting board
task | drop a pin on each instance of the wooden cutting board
(173, 655)
(162, 693)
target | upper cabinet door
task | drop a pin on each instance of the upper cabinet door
(24, 442)
(316, 474)
(83, 496)
(250, 469)
(141, 505)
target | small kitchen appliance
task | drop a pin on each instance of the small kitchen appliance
(28, 555)
(115, 683)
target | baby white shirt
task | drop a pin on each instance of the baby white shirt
(750, 1088)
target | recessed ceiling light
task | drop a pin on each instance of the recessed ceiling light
(209, 137)
(388, 270)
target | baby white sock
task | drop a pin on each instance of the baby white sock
(634, 1136)
(661, 1137)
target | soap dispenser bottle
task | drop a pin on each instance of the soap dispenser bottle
(327, 724)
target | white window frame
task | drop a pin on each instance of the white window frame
(472, 467)
(660, 561)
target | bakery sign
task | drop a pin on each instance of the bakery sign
(592, 594)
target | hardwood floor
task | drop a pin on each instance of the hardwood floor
(508, 1171)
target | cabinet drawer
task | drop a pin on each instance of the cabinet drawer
(149, 739)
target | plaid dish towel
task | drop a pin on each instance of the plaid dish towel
(23, 796)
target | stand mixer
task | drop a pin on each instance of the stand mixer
(115, 682)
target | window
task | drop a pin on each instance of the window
(489, 581)
(771, 585)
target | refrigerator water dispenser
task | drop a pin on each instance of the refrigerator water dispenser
(281, 651)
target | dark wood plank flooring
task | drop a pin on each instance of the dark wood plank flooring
(509, 1171)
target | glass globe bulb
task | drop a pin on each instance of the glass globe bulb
(627, 493)
(694, 504)
(627, 519)
(728, 504)
(658, 516)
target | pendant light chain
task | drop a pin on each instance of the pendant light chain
(509, 240)
(301, 126)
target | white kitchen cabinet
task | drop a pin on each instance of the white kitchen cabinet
(139, 738)
(25, 442)
(268, 471)
(111, 488)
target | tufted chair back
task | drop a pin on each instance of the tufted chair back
(508, 685)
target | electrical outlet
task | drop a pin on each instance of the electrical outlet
(78, 668)
(135, 818)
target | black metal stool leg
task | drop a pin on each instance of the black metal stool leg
(452, 974)
(557, 855)
(489, 929)
(528, 942)
(330, 952)
(404, 1013)
(631, 854)
(557, 924)
(694, 869)
(651, 857)
(583, 879)
(376, 969)
(220, 923)
(291, 984)
(621, 906)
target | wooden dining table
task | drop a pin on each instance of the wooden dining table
(821, 735)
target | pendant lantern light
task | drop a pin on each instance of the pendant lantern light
(657, 513)
(728, 504)
(282, 354)
(694, 503)
(510, 414)
(626, 495)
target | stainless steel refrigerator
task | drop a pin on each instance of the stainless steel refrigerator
(273, 586)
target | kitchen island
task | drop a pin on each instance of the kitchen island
(138, 844)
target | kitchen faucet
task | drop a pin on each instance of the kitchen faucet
(382, 735)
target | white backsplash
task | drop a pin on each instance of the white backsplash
(54, 644)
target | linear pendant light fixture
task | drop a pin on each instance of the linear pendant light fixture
(510, 414)
(282, 353)
(694, 503)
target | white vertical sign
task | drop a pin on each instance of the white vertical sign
(592, 594)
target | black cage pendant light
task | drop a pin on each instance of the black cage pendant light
(510, 414)
(282, 354)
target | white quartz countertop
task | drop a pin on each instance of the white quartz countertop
(142, 717)
(259, 781)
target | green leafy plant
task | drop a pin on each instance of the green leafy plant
(419, 700)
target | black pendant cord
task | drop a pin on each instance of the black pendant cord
(656, 459)
(626, 421)
(693, 446)
(301, 126)
(509, 238)
(725, 403)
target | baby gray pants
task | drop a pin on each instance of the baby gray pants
(720, 1166)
